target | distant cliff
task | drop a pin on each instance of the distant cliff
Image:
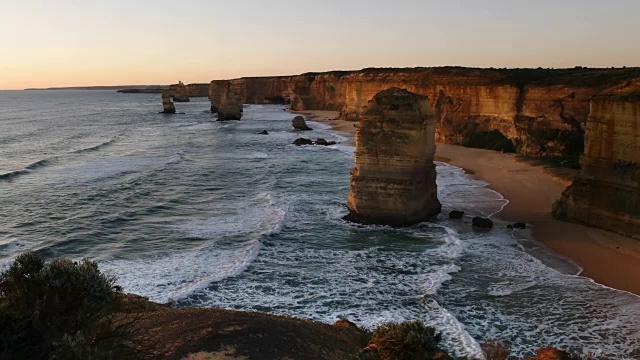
(607, 192)
(540, 111)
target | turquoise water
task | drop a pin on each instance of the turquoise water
(212, 214)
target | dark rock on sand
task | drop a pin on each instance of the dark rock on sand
(302, 141)
(482, 223)
(455, 214)
(298, 123)
(518, 225)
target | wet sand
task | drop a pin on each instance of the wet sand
(608, 258)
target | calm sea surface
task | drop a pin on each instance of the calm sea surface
(212, 214)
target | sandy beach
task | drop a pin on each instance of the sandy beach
(607, 258)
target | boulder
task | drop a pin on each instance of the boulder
(303, 141)
(482, 223)
(394, 179)
(550, 353)
(298, 123)
(518, 225)
(456, 214)
(323, 142)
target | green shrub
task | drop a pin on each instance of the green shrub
(410, 340)
(59, 310)
(490, 140)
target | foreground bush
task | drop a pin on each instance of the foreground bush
(404, 341)
(59, 310)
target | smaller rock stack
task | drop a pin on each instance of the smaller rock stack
(168, 105)
(180, 92)
(394, 180)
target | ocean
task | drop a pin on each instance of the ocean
(212, 214)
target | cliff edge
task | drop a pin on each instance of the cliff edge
(606, 194)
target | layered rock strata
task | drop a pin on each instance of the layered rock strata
(606, 194)
(167, 104)
(540, 111)
(394, 179)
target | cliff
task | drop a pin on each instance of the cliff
(394, 180)
(539, 111)
(606, 194)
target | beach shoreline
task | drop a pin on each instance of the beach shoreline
(609, 259)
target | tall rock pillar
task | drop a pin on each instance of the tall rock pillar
(606, 194)
(232, 98)
(394, 179)
(167, 104)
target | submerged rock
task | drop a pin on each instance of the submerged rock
(482, 223)
(298, 123)
(394, 180)
(456, 214)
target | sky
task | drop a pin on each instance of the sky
(83, 42)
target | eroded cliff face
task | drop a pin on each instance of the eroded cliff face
(606, 194)
(394, 179)
(539, 111)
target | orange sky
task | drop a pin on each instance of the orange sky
(73, 43)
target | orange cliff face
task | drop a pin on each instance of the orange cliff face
(606, 194)
(540, 111)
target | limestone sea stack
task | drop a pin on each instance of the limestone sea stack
(606, 194)
(231, 101)
(180, 92)
(168, 105)
(394, 178)
(216, 88)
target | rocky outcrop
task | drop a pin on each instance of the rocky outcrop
(298, 123)
(606, 194)
(180, 92)
(168, 105)
(232, 97)
(394, 179)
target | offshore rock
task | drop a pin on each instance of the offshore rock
(168, 105)
(298, 123)
(216, 89)
(482, 223)
(231, 99)
(456, 214)
(394, 180)
(180, 92)
(606, 194)
(303, 141)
